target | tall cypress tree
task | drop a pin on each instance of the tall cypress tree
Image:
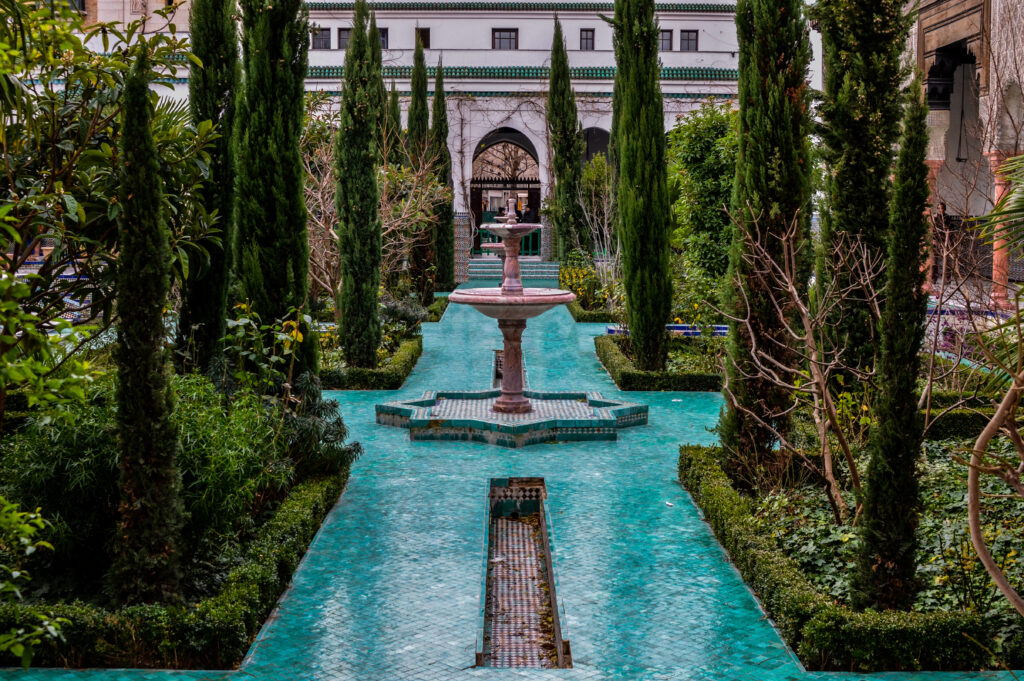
(444, 242)
(863, 43)
(567, 151)
(393, 116)
(212, 86)
(146, 563)
(378, 94)
(270, 207)
(772, 186)
(643, 205)
(422, 256)
(357, 201)
(886, 565)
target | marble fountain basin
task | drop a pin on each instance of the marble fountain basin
(511, 306)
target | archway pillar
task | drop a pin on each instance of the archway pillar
(1000, 247)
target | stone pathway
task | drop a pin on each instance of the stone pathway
(390, 588)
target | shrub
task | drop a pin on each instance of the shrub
(579, 275)
(581, 315)
(388, 377)
(214, 633)
(628, 377)
(437, 309)
(826, 635)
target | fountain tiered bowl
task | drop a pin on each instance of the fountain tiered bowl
(511, 416)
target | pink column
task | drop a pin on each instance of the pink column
(1000, 251)
(511, 284)
(512, 400)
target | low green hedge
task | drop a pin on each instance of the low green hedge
(212, 634)
(589, 316)
(628, 377)
(826, 635)
(390, 377)
(437, 308)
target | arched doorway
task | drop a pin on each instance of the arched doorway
(595, 142)
(505, 166)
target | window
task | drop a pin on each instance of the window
(688, 41)
(504, 38)
(586, 39)
(423, 34)
(383, 37)
(665, 41)
(344, 34)
(321, 39)
(77, 5)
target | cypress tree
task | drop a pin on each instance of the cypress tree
(643, 205)
(393, 126)
(567, 152)
(444, 242)
(772, 186)
(145, 567)
(887, 550)
(357, 202)
(212, 86)
(378, 95)
(422, 256)
(270, 208)
(863, 43)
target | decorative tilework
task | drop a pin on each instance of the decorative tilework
(532, 72)
(505, 6)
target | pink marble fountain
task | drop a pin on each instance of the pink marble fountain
(512, 305)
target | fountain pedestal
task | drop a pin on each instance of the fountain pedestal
(512, 400)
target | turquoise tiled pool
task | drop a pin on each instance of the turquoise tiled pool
(390, 589)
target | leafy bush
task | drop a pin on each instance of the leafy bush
(389, 377)
(827, 635)
(578, 274)
(213, 633)
(628, 377)
(231, 464)
(581, 315)
(436, 310)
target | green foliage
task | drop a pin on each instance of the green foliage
(437, 309)
(422, 268)
(377, 94)
(145, 568)
(826, 635)
(771, 190)
(270, 208)
(18, 542)
(863, 42)
(642, 195)
(701, 170)
(567, 148)
(694, 292)
(627, 377)
(212, 86)
(589, 316)
(214, 633)
(262, 353)
(444, 240)
(388, 377)
(577, 273)
(887, 561)
(357, 202)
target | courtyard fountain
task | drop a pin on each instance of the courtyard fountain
(511, 416)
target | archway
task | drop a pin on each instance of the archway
(505, 165)
(595, 142)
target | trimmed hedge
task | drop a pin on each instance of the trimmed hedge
(390, 377)
(826, 635)
(589, 316)
(437, 308)
(628, 377)
(959, 424)
(215, 633)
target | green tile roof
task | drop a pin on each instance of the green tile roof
(533, 72)
(538, 93)
(505, 6)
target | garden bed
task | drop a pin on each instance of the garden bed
(437, 309)
(391, 376)
(214, 633)
(581, 315)
(627, 377)
(826, 634)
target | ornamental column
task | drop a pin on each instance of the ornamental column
(1000, 248)
(938, 128)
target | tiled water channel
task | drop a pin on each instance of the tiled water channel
(389, 590)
